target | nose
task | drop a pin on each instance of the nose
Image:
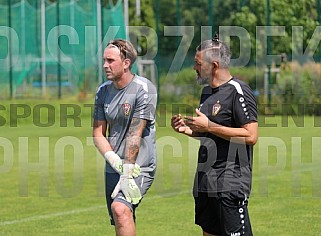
(194, 67)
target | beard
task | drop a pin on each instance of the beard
(202, 80)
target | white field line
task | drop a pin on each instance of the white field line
(78, 211)
(41, 217)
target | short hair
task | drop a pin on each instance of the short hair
(215, 49)
(127, 50)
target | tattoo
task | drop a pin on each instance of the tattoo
(133, 139)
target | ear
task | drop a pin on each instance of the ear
(216, 65)
(127, 63)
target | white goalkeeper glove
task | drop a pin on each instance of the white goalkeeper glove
(128, 186)
(117, 164)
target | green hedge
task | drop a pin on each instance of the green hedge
(294, 91)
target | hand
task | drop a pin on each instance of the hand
(117, 164)
(179, 125)
(114, 160)
(133, 170)
(129, 188)
(199, 123)
(177, 122)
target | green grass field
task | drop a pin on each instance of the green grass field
(51, 179)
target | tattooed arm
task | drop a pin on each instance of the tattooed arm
(126, 183)
(133, 139)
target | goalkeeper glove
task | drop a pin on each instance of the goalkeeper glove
(114, 160)
(128, 186)
(117, 164)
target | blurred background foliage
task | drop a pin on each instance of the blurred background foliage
(296, 36)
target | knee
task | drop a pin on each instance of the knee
(120, 211)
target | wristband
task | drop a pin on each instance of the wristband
(114, 160)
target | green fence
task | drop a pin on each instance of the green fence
(52, 48)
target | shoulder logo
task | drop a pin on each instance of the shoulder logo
(216, 108)
(106, 107)
(126, 108)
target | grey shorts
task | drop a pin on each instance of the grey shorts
(111, 180)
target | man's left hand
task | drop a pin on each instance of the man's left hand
(200, 123)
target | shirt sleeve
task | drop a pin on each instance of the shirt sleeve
(245, 108)
(146, 100)
(99, 113)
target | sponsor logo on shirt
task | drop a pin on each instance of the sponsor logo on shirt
(236, 234)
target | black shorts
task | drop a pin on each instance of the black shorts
(224, 214)
(111, 179)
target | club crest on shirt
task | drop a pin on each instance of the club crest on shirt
(216, 108)
(126, 108)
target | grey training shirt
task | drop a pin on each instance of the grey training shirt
(118, 106)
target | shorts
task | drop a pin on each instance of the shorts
(224, 214)
(111, 180)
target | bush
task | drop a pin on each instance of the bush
(180, 87)
(299, 86)
(295, 90)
